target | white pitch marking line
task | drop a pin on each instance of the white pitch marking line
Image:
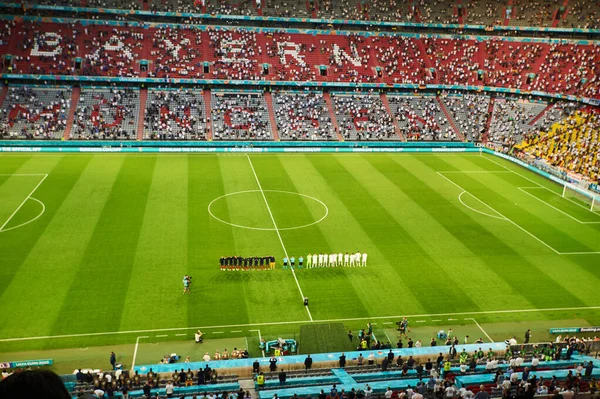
(534, 182)
(135, 351)
(437, 320)
(388, 337)
(260, 340)
(29, 221)
(162, 336)
(301, 322)
(553, 207)
(473, 209)
(217, 332)
(268, 228)
(565, 198)
(420, 321)
(387, 322)
(278, 233)
(481, 328)
(25, 200)
(23, 174)
(580, 253)
(236, 331)
(180, 335)
(507, 219)
(516, 173)
(502, 217)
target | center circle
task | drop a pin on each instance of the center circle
(255, 195)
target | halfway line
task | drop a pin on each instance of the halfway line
(278, 234)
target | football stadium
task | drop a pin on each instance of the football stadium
(283, 199)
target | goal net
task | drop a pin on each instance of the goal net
(581, 196)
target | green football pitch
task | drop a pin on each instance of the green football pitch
(93, 248)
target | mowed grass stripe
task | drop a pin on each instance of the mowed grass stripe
(398, 247)
(16, 244)
(13, 192)
(555, 228)
(216, 299)
(586, 274)
(553, 198)
(344, 233)
(438, 224)
(290, 210)
(60, 247)
(501, 193)
(264, 291)
(105, 269)
(507, 252)
(9, 165)
(375, 178)
(161, 256)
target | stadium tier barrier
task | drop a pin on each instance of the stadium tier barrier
(243, 367)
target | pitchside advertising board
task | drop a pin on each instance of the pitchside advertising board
(26, 363)
(564, 330)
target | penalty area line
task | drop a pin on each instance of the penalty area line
(481, 328)
(23, 203)
(299, 322)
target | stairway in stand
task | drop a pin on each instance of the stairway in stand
(450, 120)
(269, 100)
(142, 114)
(74, 101)
(428, 62)
(512, 15)
(329, 103)
(539, 116)
(207, 109)
(386, 104)
(488, 123)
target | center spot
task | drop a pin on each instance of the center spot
(248, 210)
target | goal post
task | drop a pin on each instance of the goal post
(582, 196)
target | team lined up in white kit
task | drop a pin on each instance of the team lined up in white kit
(333, 260)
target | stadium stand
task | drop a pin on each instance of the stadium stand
(454, 60)
(511, 119)
(240, 115)
(571, 143)
(470, 112)
(302, 116)
(363, 116)
(243, 54)
(582, 14)
(35, 112)
(106, 114)
(176, 52)
(401, 60)
(421, 118)
(175, 114)
(293, 57)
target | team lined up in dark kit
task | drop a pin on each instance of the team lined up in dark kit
(247, 263)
